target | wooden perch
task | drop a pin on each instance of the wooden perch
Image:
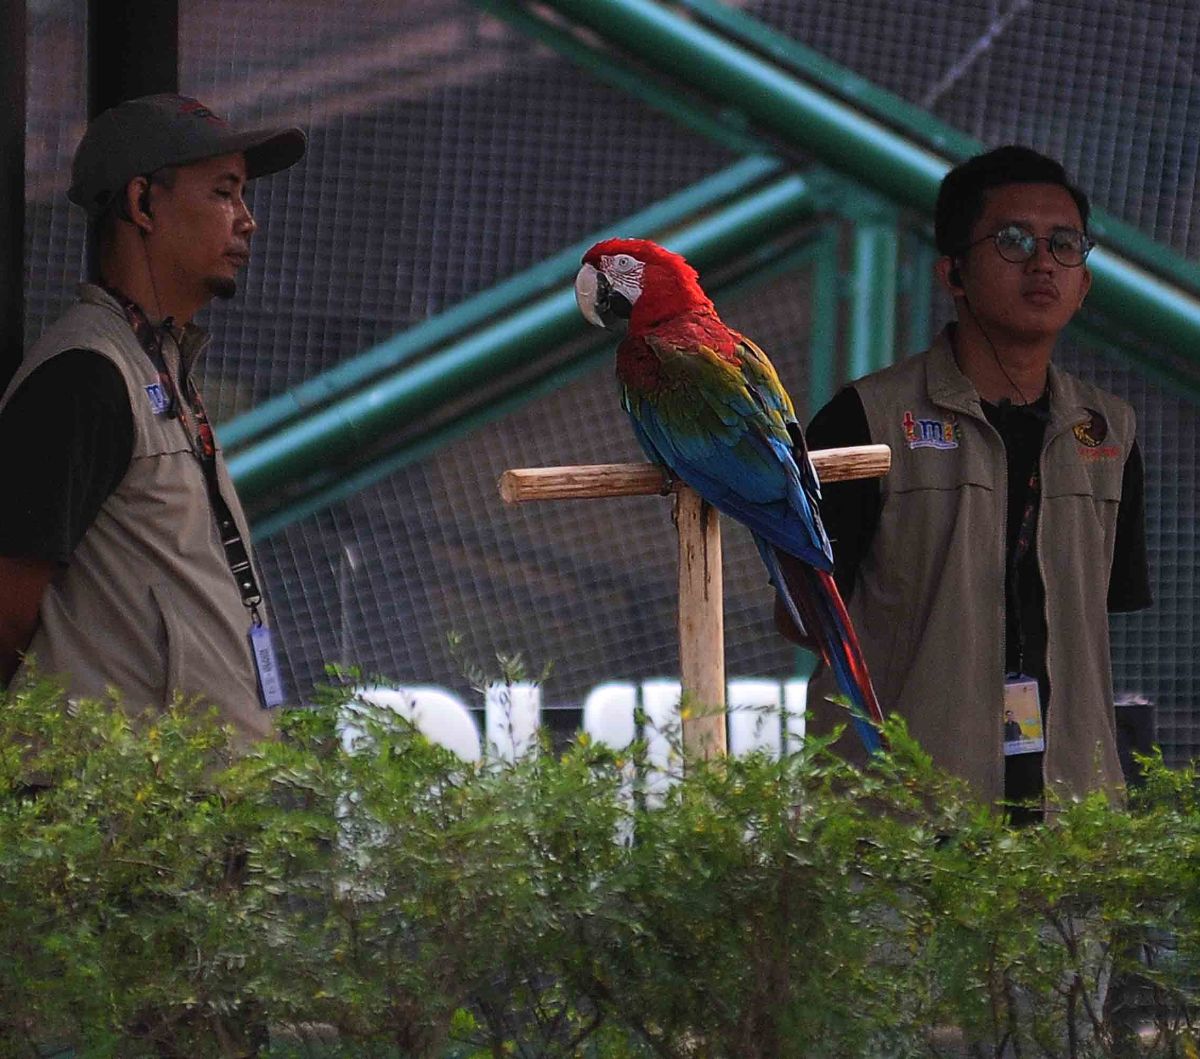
(701, 611)
(647, 479)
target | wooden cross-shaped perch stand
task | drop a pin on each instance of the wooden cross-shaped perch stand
(701, 596)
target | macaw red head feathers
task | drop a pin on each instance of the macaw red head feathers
(635, 283)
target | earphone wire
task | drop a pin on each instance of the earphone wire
(165, 324)
(992, 346)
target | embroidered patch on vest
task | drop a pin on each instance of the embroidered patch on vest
(931, 433)
(1093, 430)
(1091, 434)
(159, 400)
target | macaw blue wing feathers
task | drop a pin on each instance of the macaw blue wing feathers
(726, 433)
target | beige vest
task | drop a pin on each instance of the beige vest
(148, 604)
(928, 602)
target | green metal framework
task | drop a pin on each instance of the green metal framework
(869, 151)
(748, 88)
(811, 251)
(340, 429)
(544, 278)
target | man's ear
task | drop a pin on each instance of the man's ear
(1085, 286)
(137, 204)
(949, 273)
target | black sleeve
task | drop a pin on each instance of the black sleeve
(849, 510)
(66, 437)
(1129, 584)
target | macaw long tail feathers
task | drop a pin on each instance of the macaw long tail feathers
(815, 605)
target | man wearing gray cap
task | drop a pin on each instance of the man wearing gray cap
(124, 553)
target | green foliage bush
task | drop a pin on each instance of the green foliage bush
(161, 896)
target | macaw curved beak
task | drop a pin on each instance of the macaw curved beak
(601, 304)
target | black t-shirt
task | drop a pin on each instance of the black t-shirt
(66, 439)
(851, 510)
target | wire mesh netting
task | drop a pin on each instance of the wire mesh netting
(448, 151)
(1073, 78)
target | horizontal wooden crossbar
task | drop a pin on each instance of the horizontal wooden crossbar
(521, 485)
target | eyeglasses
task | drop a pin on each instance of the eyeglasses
(1069, 247)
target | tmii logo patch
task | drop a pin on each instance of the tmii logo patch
(931, 433)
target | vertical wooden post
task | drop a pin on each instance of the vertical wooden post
(701, 625)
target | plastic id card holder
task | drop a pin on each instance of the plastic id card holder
(270, 684)
(1022, 716)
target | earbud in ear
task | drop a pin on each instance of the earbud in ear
(144, 203)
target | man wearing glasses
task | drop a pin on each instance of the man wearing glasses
(980, 572)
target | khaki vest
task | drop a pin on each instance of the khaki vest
(148, 604)
(928, 601)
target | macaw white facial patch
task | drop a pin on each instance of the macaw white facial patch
(624, 274)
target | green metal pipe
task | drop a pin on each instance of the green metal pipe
(367, 475)
(913, 121)
(803, 115)
(334, 433)
(719, 128)
(547, 275)
(917, 278)
(823, 327)
(1141, 302)
(1163, 371)
(585, 360)
(854, 143)
(873, 301)
(843, 82)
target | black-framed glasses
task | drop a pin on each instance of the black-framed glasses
(1068, 246)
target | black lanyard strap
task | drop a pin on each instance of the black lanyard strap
(203, 445)
(1025, 535)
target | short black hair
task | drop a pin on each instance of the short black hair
(960, 197)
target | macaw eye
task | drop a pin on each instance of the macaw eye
(624, 263)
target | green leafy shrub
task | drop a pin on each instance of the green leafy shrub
(161, 896)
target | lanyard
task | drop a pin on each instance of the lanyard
(203, 445)
(1020, 549)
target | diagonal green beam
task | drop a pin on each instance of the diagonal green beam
(336, 432)
(722, 128)
(861, 146)
(913, 121)
(548, 275)
(844, 83)
(773, 99)
(810, 251)
(922, 126)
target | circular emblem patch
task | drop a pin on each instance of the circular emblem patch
(1092, 432)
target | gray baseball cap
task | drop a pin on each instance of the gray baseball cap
(141, 135)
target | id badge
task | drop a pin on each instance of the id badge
(270, 684)
(1022, 716)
